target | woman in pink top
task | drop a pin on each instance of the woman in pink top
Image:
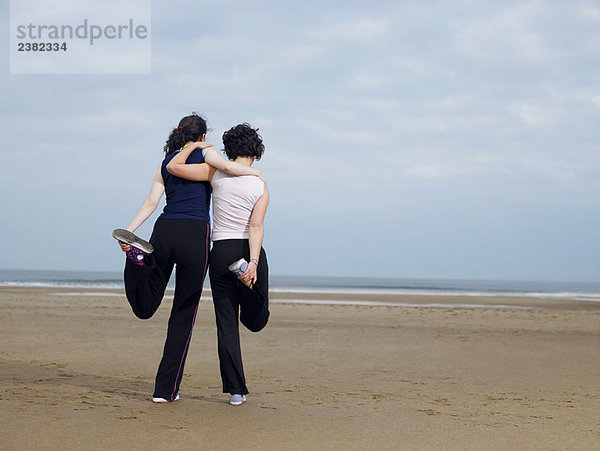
(239, 207)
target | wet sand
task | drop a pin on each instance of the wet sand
(77, 371)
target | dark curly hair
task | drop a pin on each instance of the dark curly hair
(243, 141)
(190, 128)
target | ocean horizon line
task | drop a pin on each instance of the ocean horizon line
(329, 284)
(328, 277)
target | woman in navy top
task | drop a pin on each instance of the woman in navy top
(180, 238)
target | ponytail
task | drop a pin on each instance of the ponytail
(190, 128)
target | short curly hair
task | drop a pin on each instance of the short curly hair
(243, 141)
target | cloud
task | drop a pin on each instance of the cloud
(589, 12)
(352, 31)
(535, 114)
(514, 32)
(378, 113)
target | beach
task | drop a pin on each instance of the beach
(330, 371)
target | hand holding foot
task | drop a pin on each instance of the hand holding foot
(249, 277)
(134, 247)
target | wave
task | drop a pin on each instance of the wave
(594, 297)
(61, 284)
(421, 291)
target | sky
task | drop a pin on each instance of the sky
(421, 139)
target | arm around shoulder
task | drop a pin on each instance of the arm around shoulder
(199, 172)
(230, 167)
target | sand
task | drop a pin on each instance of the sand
(77, 371)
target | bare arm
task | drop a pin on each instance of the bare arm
(149, 205)
(212, 157)
(204, 172)
(198, 172)
(255, 236)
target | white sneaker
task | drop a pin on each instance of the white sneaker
(165, 400)
(236, 400)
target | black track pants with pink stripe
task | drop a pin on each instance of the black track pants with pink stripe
(184, 243)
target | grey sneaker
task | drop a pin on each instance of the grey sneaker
(239, 267)
(236, 400)
(125, 236)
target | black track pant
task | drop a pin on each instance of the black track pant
(181, 242)
(232, 298)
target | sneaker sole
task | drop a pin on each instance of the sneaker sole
(237, 403)
(160, 400)
(133, 240)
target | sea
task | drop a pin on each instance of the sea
(584, 291)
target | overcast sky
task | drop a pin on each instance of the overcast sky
(436, 139)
